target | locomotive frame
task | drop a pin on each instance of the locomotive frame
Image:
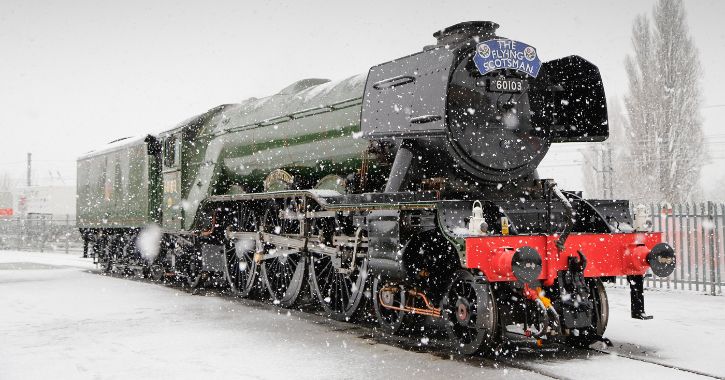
(389, 192)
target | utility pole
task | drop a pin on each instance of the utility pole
(610, 170)
(29, 160)
(603, 168)
(605, 161)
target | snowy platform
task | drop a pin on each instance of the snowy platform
(60, 319)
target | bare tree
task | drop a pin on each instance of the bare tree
(664, 134)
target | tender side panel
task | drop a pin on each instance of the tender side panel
(113, 189)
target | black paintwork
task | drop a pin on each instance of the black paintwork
(439, 104)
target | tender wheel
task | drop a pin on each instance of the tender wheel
(129, 255)
(110, 252)
(390, 320)
(600, 316)
(284, 275)
(470, 314)
(103, 254)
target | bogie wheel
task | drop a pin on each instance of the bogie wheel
(393, 321)
(101, 254)
(469, 312)
(284, 274)
(110, 253)
(240, 268)
(600, 316)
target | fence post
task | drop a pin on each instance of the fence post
(41, 231)
(663, 229)
(656, 213)
(67, 232)
(18, 234)
(689, 251)
(718, 242)
(699, 249)
(711, 241)
(668, 237)
(677, 222)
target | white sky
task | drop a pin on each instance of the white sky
(77, 74)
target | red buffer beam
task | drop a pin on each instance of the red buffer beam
(618, 254)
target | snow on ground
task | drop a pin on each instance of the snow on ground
(688, 329)
(67, 323)
(58, 320)
(686, 333)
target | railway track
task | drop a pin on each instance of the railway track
(654, 362)
(518, 354)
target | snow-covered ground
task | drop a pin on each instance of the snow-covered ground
(60, 320)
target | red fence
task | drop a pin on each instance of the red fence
(696, 231)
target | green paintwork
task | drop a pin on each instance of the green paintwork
(118, 186)
(180, 176)
(309, 132)
(171, 206)
(310, 129)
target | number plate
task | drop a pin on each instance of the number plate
(506, 85)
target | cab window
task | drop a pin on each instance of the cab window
(171, 152)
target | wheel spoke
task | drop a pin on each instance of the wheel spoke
(339, 286)
(280, 271)
(470, 314)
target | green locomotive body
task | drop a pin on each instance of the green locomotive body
(306, 132)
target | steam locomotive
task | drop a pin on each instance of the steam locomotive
(411, 189)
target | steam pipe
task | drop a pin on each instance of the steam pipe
(569, 213)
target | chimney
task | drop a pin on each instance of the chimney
(464, 31)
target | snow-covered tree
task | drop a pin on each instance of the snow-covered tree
(664, 134)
